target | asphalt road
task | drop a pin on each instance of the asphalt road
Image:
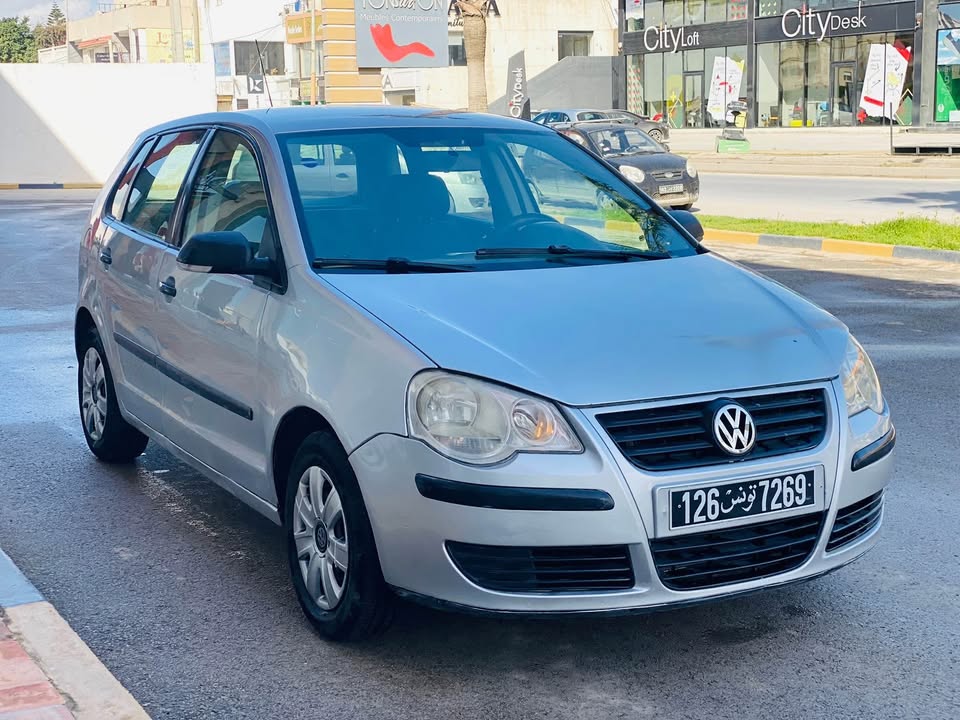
(852, 200)
(183, 593)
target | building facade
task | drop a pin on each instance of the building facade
(792, 63)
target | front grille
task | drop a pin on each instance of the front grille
(681, 436)
(592, 568)
(738, 554)
(674, 175)
(855, 521)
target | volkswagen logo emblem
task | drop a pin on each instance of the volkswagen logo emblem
(733, 429)
(668, 175)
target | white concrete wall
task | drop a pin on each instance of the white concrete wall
(531, 26)
(71, 123)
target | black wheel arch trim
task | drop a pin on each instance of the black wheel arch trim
(512, 498)
(182, 378)
(876, 450)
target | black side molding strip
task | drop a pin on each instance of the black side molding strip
(178, 376)
(512, 498)
(874, 451)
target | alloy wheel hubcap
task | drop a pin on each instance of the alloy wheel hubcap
(320, 536)
(93, 398)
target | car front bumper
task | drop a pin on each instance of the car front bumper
(412, 531)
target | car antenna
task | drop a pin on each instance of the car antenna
(263, 73)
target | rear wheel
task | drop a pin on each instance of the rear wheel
(330, 547)
(108, 435)
(656, 134)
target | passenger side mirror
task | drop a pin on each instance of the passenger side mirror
(225, 252)
(688, 221)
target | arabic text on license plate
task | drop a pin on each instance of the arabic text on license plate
(669, 189)
(744, 498)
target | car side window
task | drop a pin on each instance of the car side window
(155, 188)
(125, 181)
(228, 193)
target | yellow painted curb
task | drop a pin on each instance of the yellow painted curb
(731, 236)
(80, 186)
(855, 247)
(8, 186)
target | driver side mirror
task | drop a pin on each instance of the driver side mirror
(224, 253)
(688, 221)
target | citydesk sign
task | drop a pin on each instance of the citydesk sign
(809, 25)
(664, 39)
(796, 23)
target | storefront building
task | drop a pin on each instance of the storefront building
(794, 63)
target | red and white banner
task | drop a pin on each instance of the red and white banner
(883, 80)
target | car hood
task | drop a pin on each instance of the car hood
(651, 161)
(600, 334)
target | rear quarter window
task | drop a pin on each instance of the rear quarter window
(124, 183)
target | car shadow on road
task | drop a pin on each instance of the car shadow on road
(925, 201)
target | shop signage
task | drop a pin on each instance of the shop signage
(298, 27)
(402, 33)
(811, 25)
(656, 39)
(518, 101)
(666, 39)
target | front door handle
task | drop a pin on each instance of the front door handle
(342, 176)
(105, 256)
(169, 287)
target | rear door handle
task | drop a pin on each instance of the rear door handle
(342, 176)
(105, 256)
(169, 287)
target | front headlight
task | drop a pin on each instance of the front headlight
(860, 383)
(631, 173)
(691, 169)
(481, 423)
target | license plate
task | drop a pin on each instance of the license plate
(744, 498)
(670, 189)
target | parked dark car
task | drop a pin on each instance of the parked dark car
(657, 130)
(669, 179)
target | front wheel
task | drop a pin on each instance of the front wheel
(330, 546)
(108, 435)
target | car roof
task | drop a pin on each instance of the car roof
(348, 117)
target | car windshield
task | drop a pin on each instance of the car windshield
(625, 141)
(418, 196)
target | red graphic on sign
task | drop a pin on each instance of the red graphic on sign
(383, 39)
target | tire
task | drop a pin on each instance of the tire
(109, 437)
(685, 207)
(656, 134)
(364, 607)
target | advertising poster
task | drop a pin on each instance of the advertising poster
(883, 80)
(402, 34)
(725, 83)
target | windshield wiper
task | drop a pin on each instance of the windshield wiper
(598, 253)
(392, 266)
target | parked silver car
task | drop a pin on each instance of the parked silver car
(509, 409)
(659, 131)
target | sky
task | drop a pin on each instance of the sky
(37, 10)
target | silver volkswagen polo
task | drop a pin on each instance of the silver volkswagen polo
(449, 385)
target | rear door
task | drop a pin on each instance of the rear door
(131, 248)
(208, 325)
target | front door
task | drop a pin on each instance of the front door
(132, 245)
(843, 93)
(693, 101)
(208, 325)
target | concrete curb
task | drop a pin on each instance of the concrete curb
(847, 247)
(91, 690)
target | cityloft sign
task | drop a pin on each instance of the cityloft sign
(817, 26)
(796, 23)
(665, 39)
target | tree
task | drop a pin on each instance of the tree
(16, 41)
(54, 33)
(474, 13)
(56, 16)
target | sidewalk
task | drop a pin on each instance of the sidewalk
(46, 671)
